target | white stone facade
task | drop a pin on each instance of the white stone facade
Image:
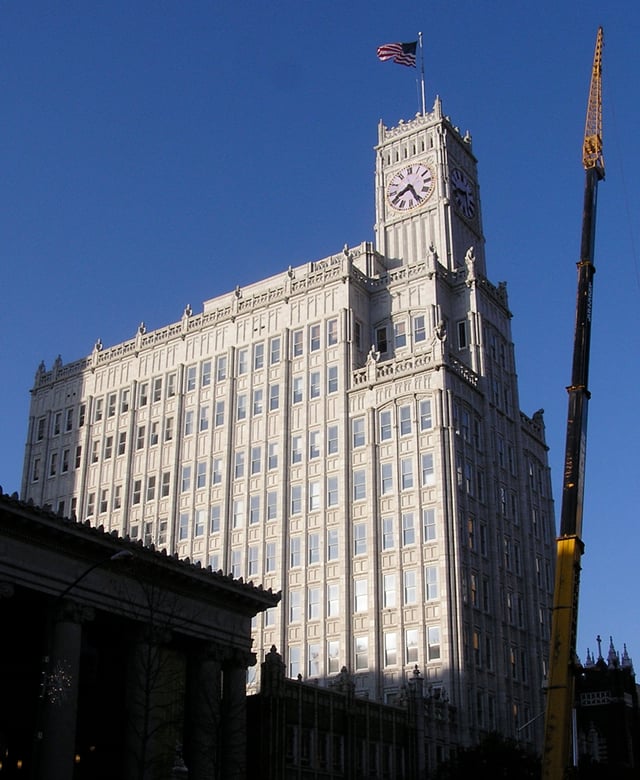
(347, 431)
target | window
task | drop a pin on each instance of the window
(140, 437)
(111, 410)
(332, 379)
(400, 334)
(419, 328)
(295, 555)
(361, 598)
(201, 474)
(433, 643)
(57, 420)
(410, 586)
(243, 361)
(274, 397)
(216, 471)
(426, 421)
(272, 505)
(53, 464)
(274, 350)
(296, 449)
(332, 545)
(157, 389)
(83, 409)
(333, 656)
(40, 430)
(313, 603)
(214, 519)
(236, 563)
(411, 645)
(333, 600)
(332, 439)
(95, 450)
(272, 460)
(428, 525)
(295, 606)
(359, 539)
(296, 499)
(108, 448)
(461, 328)
(428, 476)
(241, 409)
(297, 341)
(186, 479)
(91, 504)
(313, 548)
(151, 488)
(205, 374)
(219, 415)
(385, 425)
(258, 356)
(270, 557)
(359, 485)
(357, 430)
(381, 339)
(153, 433)
(137, 491)
(166, 484)
(252, 561)
(388, 542)
(254, 510)
(332, 332)
(357, 334)
(314, 338)
(257, 402)
(389, 590)
(78, 458)
(221, 368)
(188, 423)
(390, 650)
(332, 491)
(314, 444)
(408, 529)
(256, 460)
(297, 390)
(405, 420)
(314, 384)
(362, 652)
(238, 513)
(294, 661)
(430, 583)
(239, 465)
(191, 379)
(35, 474)
(314, 496)
(117, 496)
(386, 478)
(406, 473)
(171, 385)
(168, 429)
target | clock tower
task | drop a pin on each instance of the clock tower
(427, 195)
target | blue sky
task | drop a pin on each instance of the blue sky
(155, 154)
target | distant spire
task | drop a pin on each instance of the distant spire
(627, 663)
(599, 641)
(612, 659)
(589, 662)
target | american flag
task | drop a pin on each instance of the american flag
(402, 53)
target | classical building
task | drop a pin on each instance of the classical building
(607, 716)
(347, 431)
(116, 660)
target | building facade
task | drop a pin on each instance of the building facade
(348, 432)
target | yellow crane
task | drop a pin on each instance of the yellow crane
(557, 757)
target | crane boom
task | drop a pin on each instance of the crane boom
(557, 759)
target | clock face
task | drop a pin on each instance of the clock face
(463, 193)
(410, 187)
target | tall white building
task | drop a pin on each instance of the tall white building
(347, 431)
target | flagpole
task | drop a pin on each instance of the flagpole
(424, 111)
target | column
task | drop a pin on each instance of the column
(61, 669)
(203, 712)
(234, 716)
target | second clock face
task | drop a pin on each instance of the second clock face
(463, 193)
(410, 187)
